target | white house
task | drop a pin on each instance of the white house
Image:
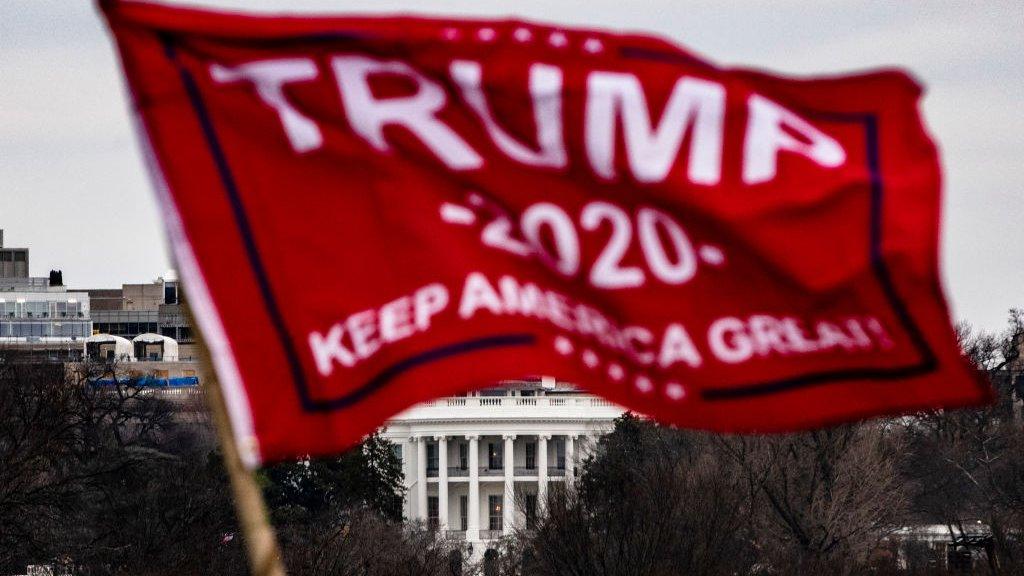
(476, 465)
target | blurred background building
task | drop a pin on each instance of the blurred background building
(140, 309)
(39, 315)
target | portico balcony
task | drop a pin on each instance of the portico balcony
(583, 406)
(484, 472)
(518, 472)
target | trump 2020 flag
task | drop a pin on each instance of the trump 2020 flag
(372, 212)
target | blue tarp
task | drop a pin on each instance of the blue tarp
(150, 381)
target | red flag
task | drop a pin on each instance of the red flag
(372, 212)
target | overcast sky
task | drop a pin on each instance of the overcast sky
(72, 186)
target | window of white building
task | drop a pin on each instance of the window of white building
(431, 457)
(494, 509)
(494, 455)
(432, 512)
(530, 501)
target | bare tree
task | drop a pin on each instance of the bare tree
(652, 501)
(87, 474)
(969, 463)
(660, 501)
(361, 542)
(823, 500)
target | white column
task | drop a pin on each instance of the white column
(570, 457)
(442, 482)
(542, 469)
(508, 507)
(421, 478)
(410, 479)
(473, 532)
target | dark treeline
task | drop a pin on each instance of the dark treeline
(117, 481)
(104, 480)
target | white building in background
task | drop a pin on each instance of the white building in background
(135, 310)
(43, 313)
(476, 465)
(39, 316)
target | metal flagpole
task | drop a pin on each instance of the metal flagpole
(260, 541)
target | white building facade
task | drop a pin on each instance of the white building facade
(477, 465)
